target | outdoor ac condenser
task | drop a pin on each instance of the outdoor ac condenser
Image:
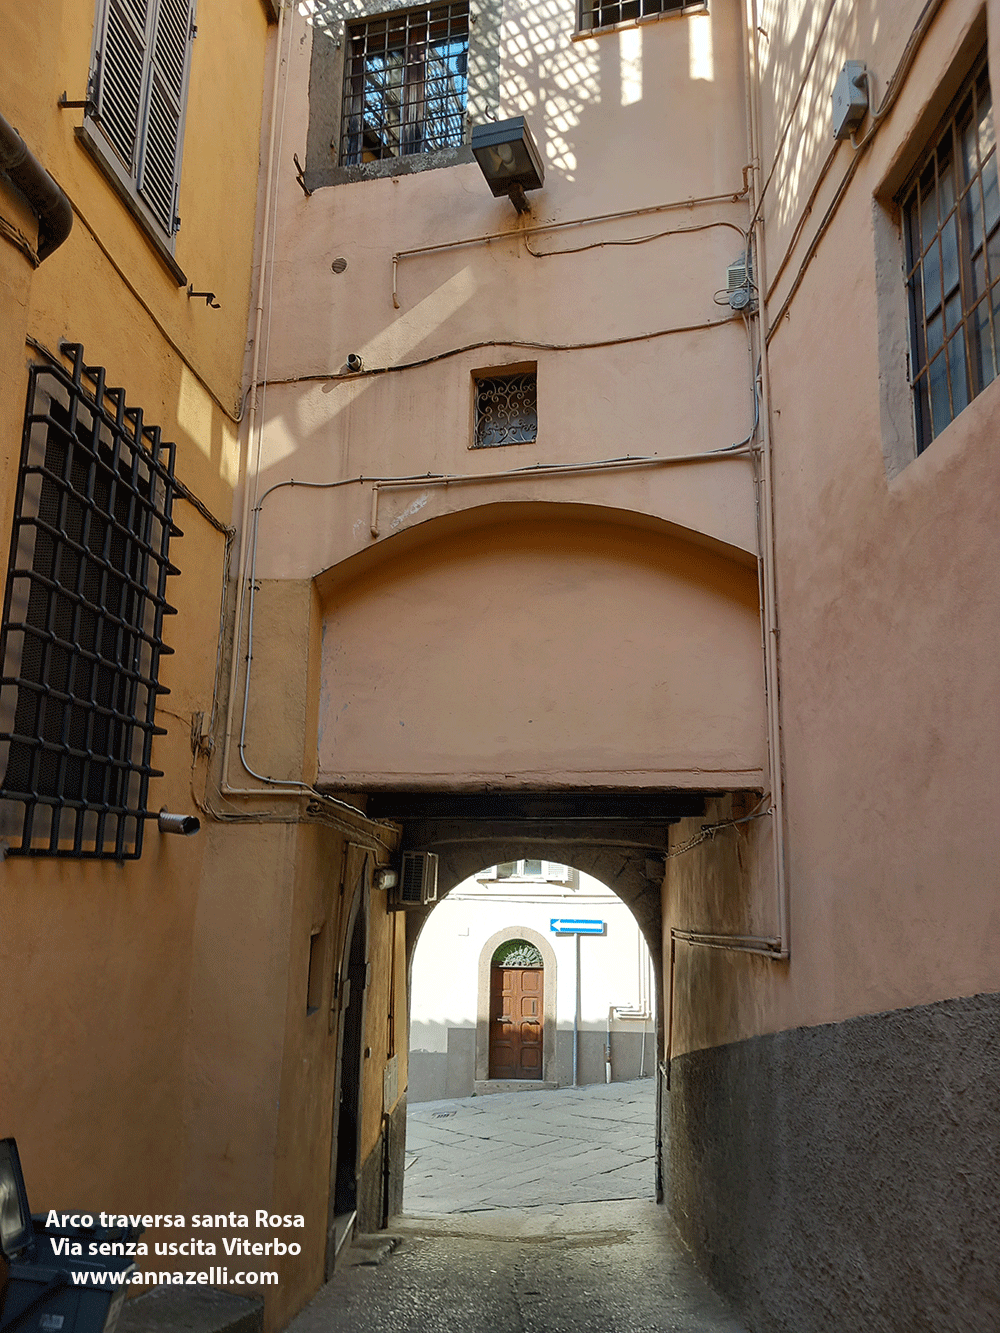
(418, 879)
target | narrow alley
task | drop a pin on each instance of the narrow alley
(525, 1213)
(497, 500)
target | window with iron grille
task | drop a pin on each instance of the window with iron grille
(138, 87)
(405, 83)
(81, 637)
(606, 13)
(951, 226)
(506, 410)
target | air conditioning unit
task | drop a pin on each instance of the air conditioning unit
(418, 881)
(739, 283)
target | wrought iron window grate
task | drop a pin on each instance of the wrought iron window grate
(81, 638)
(405, 83)
(506, 410)
(606, 13)
(951, 224)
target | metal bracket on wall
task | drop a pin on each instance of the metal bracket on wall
(210, 300)
(88, 104)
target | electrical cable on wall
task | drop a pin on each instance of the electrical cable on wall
(892, 92)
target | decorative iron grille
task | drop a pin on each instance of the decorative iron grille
(506, 410)
(951, 222)
(517, 953)
(405, 83)
(81, 637)
(606, 13)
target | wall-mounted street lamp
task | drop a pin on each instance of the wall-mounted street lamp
(509, 158)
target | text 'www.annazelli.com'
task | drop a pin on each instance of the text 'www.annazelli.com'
(210, 1277)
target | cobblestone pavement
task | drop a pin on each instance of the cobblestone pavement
(525, 1149)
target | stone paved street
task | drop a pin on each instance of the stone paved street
(525, 1213)
(526, 1149)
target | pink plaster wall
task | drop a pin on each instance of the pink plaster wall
(602, 111)
(544, 652)
(889, 617)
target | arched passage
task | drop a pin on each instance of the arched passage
(536, 680)
(624, 854)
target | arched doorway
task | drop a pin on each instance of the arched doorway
(538, 1043)
(517, 1013)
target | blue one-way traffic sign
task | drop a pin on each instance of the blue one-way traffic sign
(574, 926)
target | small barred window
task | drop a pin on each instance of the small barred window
(506, 410)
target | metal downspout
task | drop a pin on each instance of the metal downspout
(48, 201)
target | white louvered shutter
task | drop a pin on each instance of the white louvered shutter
(143, 55)
(159, 170)
(121, 75)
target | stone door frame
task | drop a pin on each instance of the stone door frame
(549, 1079)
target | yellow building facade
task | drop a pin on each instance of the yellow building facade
(157, 1008)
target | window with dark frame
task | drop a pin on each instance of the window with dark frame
(951, 227)
(405, 83)
(506, 409)
(138, 87)
(81, 637)
(606, 13)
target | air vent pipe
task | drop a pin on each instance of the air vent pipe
(48, 201)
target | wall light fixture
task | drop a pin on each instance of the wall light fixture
(509, 159)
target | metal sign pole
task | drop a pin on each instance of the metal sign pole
(577, 926)
(576, 1021)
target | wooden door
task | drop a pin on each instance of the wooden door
(516, 1020)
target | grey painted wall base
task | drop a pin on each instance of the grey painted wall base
(434, 1075)
(388, 1155)
(846, 1178)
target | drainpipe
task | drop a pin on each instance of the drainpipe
(48, 201)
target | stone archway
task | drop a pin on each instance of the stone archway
(483, 1082)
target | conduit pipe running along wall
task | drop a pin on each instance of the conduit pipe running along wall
(774, 947)
(545, 470)
(251, 468)
(769, 612)
(518, 232)
(48, 201)
(249, 473)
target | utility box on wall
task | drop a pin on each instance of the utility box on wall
(850, 99)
